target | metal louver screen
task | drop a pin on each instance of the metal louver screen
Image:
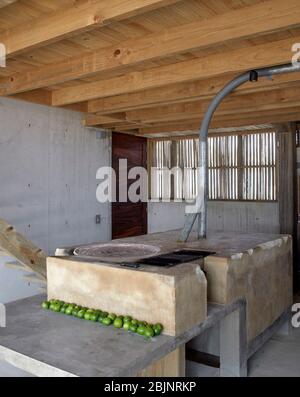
(223, 168)
(259, 164)
(241, 167)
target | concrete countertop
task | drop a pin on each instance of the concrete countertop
(44, 343)
(222, 244)
(61, 345)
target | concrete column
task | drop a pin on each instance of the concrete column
(233, 344)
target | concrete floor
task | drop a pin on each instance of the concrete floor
(279, 357)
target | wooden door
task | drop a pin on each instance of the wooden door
(128, 219)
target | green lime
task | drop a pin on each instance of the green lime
(133, 328)
(90, 311)
(75, 312)
(118, 323)
(63, 309)
(134, 322)
(112, 316)
(104, 314)
(57, 307)
(87, 316)
(69, 310)
(149, 333)
(94, 317)
(141, 330)
(100, 318)
(46, 305)
(158, 328)
(81, 314)
(126, 325)
(107, 321)
(127, 319)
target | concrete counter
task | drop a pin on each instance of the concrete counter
(50, 344)
(257, 267)
(223, 244)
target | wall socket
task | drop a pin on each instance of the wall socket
(98, 219)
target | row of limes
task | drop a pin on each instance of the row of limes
(105, 318)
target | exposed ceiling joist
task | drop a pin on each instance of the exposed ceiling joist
(269, 54)
(224, 122)
(186, 92)
(272, 100)
(276, 100)
(247, 22)
(44, 97)
(231, 120)
(78, 18)
(92, 119)
(169, 63)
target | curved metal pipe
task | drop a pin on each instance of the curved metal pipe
(199, 209)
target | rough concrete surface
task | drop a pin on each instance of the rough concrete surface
(255, 266)
(52, 344)
(155, 295)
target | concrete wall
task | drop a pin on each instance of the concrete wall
(48, 164)
(260, 217)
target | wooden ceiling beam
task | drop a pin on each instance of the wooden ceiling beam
(76, 19)
(186, 92)
(225, 122)
(194, 120)
(229, 62)
(93, 119)
(44, 97)
(235, 119)
(111, 122)
(250, 21)
(262, 101)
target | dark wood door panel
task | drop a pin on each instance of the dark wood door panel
(128, 219)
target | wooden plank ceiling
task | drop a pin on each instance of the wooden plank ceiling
(150, 67)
